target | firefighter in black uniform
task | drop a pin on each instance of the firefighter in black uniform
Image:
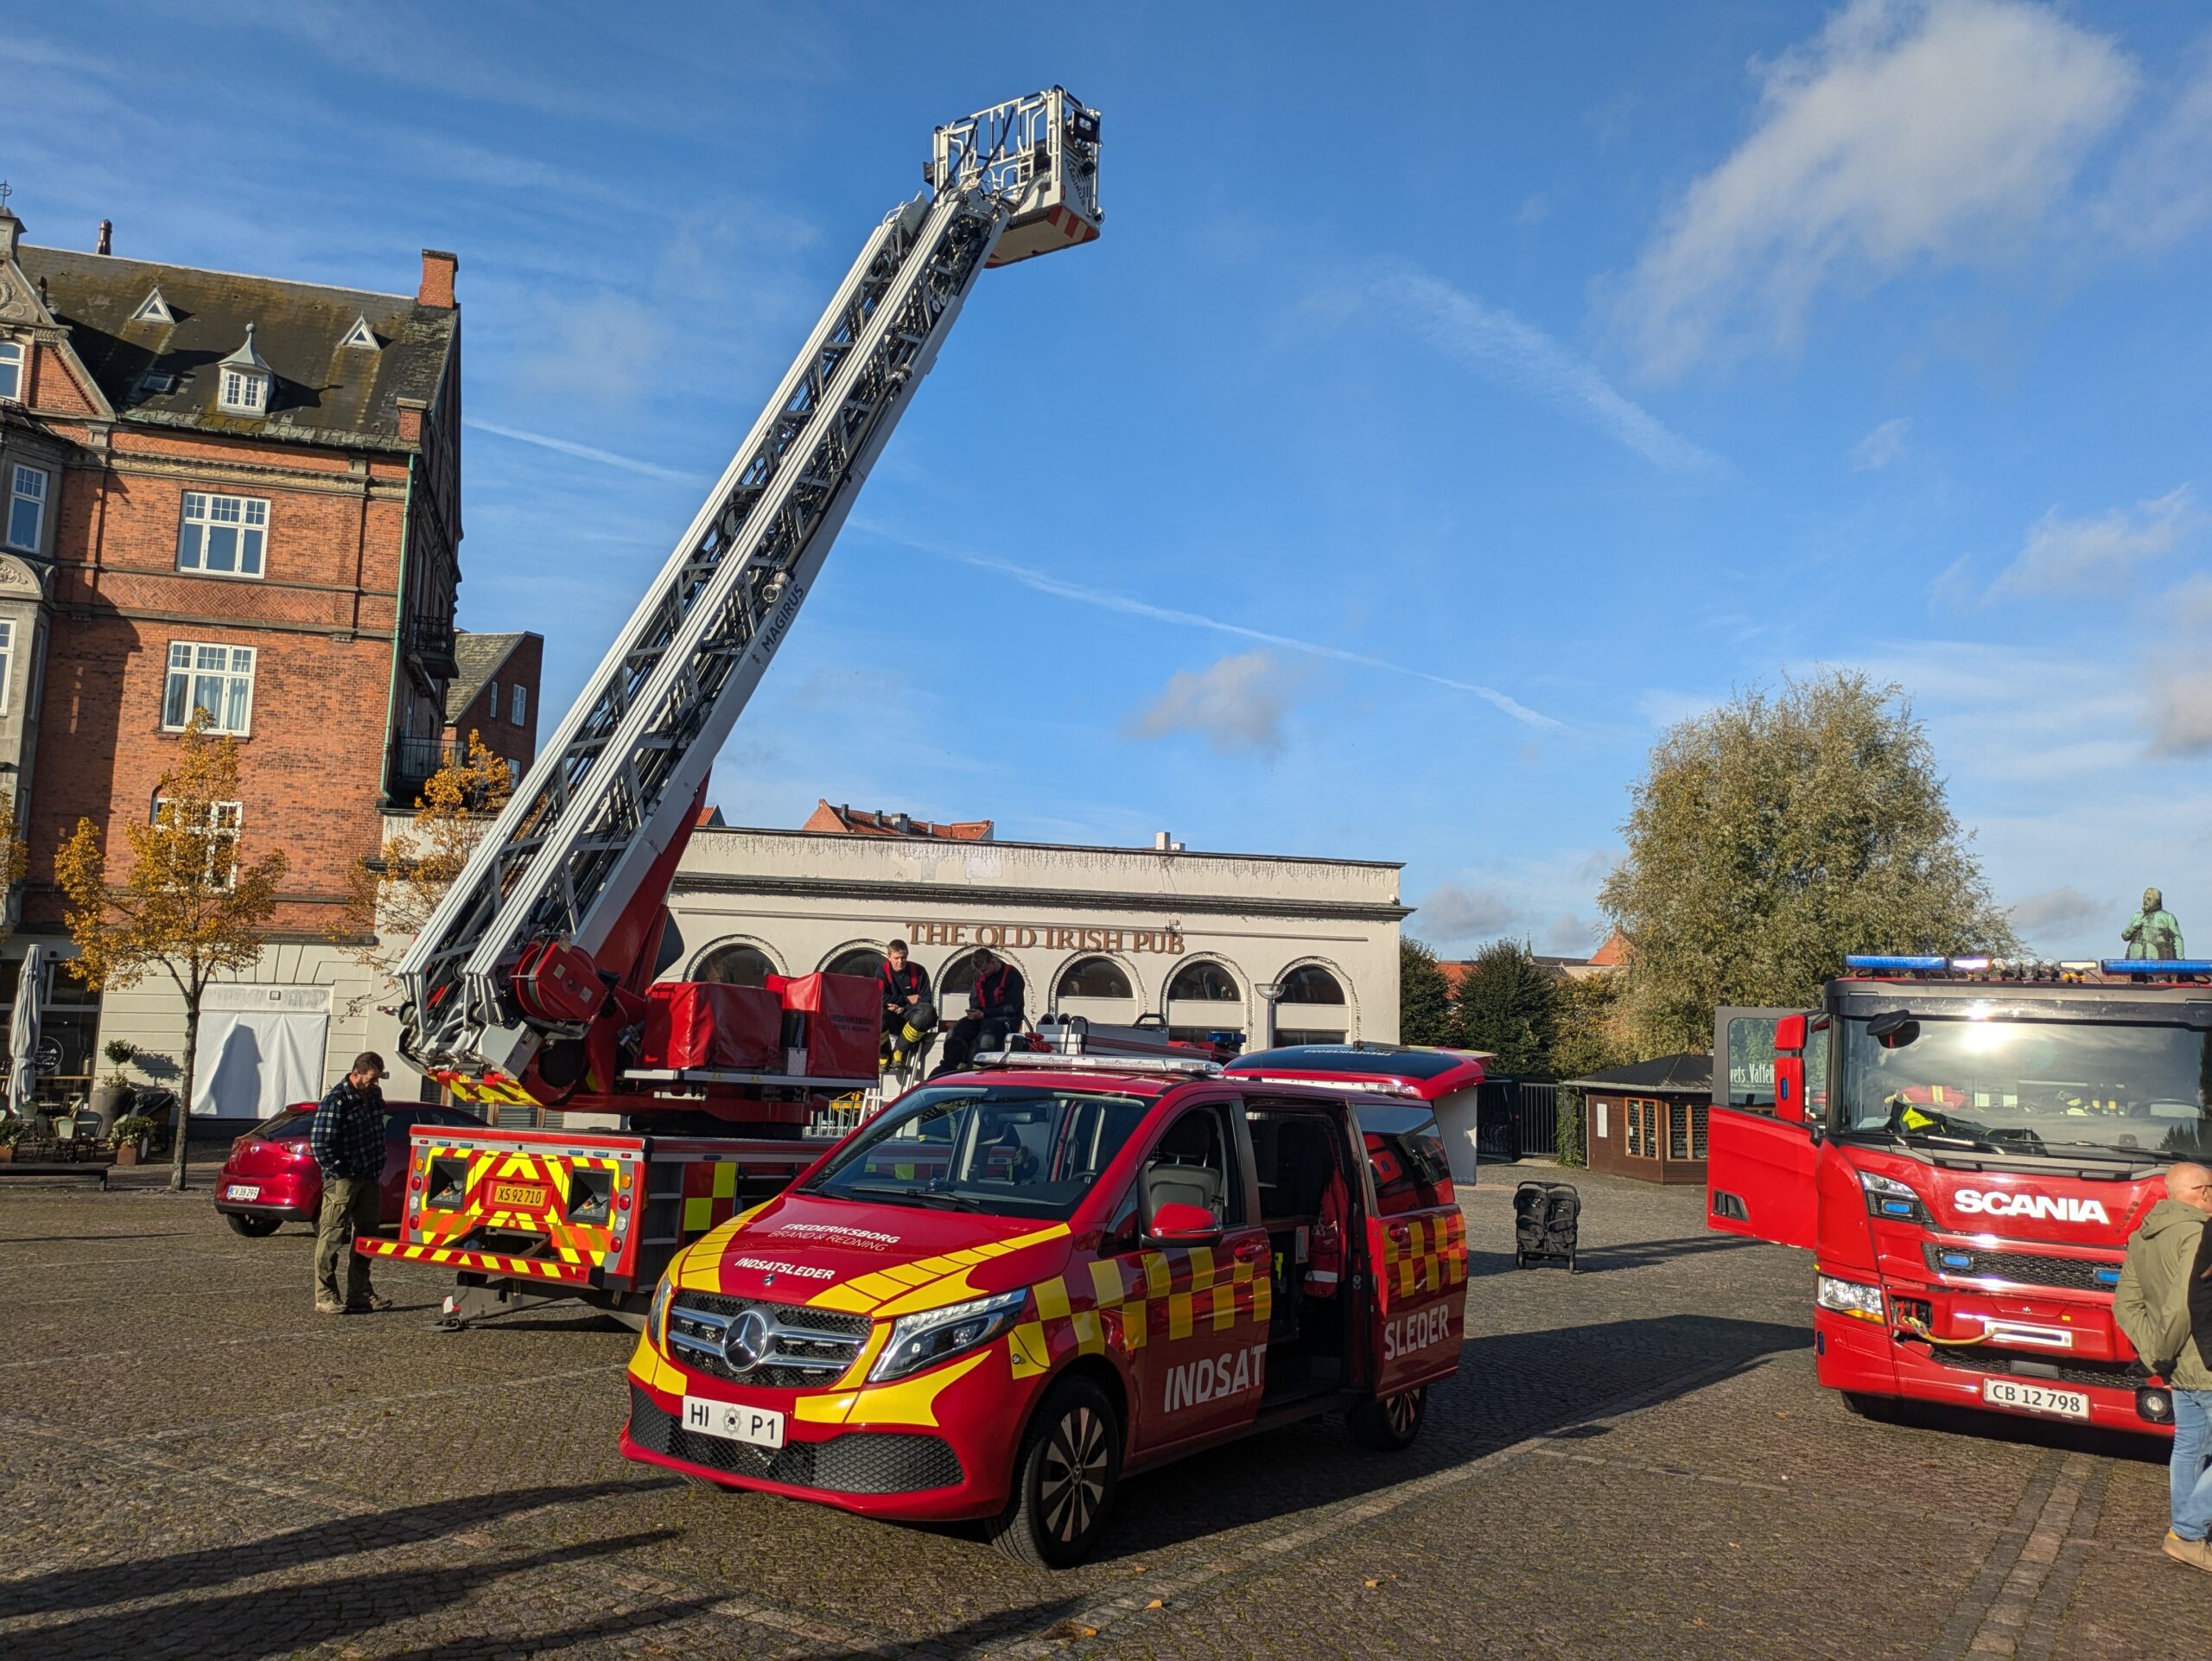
(994, 1012)
(908, 1014)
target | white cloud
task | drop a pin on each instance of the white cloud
(2162, 189)
(2180, 710)
(582, 452)
(1521, 356)
(2058, 912)
(1572, 936)
(1454, 914)
(1906, 133)
(1237, 706)
(2093, 554)
(1106, 600)
(1881, 447)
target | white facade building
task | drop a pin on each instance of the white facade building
(1278, 948)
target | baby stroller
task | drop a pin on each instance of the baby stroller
(1545, 1219)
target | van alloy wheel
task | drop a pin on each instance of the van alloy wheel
(1064, 1476)
(1074, 1477)
(1391, 1424)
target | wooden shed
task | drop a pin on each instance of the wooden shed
(1647, 1120)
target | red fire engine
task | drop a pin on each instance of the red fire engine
(1965, 1147)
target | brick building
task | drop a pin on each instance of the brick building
(494, 693)
(241, 495)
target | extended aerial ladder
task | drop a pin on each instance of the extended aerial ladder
(526, 976)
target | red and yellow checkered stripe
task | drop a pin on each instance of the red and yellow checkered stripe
(585, 1245)
(1433, 1254)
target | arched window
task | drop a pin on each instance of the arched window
(1206, 983)
(1312, 984)
(737, 965)
(958, 979)
(1094, 977)
(862, 960)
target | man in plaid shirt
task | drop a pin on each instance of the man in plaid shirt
(347, 1141)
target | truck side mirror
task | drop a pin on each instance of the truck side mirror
(1789, 1033)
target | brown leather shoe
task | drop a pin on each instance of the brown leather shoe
(2197, 1554)
(371, 1304)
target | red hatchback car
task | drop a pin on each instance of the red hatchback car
(271, 1179)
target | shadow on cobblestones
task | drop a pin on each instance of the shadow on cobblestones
(1654, 1252)
(630, 1627)
(91, 1588)
(285, 1619)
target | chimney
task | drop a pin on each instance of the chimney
(1161, 841)
(107, 235)
(411, 419)
(438, 279)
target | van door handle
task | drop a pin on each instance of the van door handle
(1250, 1251)
(1400, 1234)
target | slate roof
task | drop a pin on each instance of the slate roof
(325, 392)
(480, 657)
(1686, 1073)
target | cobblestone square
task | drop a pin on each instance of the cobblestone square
(1634, 1460)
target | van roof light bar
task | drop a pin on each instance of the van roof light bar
(2165, 968)
(1051, 1061)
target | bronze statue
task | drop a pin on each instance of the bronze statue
(2153, 933)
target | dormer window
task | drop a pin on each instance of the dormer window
(154, 309)
(361, 335)
(246, 378)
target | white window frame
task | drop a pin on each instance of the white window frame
(14, 357)
(201, 514)
(518, 705)
(7, 660)
(229, 821)
(245, 391)
(491, 701)
(238, 663)
(37, 496)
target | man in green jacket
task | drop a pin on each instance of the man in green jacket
(2151, 1307)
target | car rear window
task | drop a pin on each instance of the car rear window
(292, 1125)
(1406, 1152)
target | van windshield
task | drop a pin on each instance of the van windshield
(1013, 1151)
(1995, 1085)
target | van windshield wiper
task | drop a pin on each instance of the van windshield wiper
(924, 1197)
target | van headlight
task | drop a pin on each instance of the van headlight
(1849, 1298)
(657, 1317)
(923, 1340)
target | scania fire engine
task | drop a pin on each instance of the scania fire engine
(532, 984)
(1966, 1147)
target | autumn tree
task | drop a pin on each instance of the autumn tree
(1507, 1007)
(187, 905)
(1771, 836)
(1424, 997)
(15, 861)
(391, 897)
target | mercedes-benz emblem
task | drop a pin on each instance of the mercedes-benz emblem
(746, 1342)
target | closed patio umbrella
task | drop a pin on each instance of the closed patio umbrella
(22, 1034)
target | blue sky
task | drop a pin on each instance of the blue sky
(1455, 397)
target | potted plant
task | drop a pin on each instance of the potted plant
(114, 1088)
(11, 1128)
(131, 1133)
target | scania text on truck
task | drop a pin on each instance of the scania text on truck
(1965, 1149)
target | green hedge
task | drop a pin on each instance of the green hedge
(1573, 1150)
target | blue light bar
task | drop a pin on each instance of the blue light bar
(1860, 960)
(2157, 965)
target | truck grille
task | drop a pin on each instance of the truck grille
(2103, 1375)
(2021, 1268)
(859, 1461)
(796, 1347)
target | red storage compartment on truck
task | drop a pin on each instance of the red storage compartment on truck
(843, 1023)
(707, 1025)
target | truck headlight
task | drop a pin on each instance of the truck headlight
(1849, 1298)
(923, 1340)
(1887, 1197)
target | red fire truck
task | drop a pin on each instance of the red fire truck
(1965, 1147)
(531, 986)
